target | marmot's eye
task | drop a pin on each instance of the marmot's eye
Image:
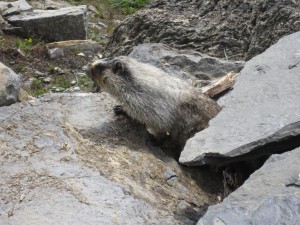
(117, 67)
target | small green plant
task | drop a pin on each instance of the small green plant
(37, 87)
(73, 2)
(36, 84)
(25, 44)
(2, 42)
(61, 81)
(75, 51)
(39, 92)
(51, 68)
(128, 6)
(21, 67)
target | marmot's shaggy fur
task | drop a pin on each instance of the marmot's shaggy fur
(166, 105)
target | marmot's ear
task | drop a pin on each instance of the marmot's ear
(117, 66)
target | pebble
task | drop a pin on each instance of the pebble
(58, 70)
(76, 88)
(81, 54)
(47, 79)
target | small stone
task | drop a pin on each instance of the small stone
(22, 196)
(169, 174)
(47, 80)
(58, 70)
(84, 68)
(23, 95)
(73, 82)
(93, 9)
(27, 84)
(21, 53)
(81, 54)
(102, 25)
(76, 88)
(39, 74)
(65, 146)
(55, 53)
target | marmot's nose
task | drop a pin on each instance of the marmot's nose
(96, 68)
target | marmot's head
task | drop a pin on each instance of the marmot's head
(110, 74)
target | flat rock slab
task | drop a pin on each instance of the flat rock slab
(68, 23)
(260, 116)
(270, 196)
(88, 47)
(190, 65)
(66, 159)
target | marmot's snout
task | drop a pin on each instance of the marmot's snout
(96, 69)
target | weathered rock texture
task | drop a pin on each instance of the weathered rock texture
(49, 4)
(224, 28)
(11, 8)
(260, 116)
(68, 23)
(187, 64)
(269, 196)
(65, 159)
(10, 83)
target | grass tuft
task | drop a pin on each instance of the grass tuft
(128, 6)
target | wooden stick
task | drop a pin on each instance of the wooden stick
(220, 85)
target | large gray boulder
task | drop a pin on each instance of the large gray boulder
(270, 196)
(236, 30)
(68, 23)
(10, 83)
(190, 65)
(66, 159)
(260, 116)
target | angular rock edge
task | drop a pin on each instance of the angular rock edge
(270, 196)
(260, 115)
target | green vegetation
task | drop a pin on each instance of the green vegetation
(74, 2)
(37, 87)
(62, 82)
(25, 44)
(128, 6)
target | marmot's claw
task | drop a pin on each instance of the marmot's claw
(118, 110)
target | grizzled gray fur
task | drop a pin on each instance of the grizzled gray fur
(165, 104)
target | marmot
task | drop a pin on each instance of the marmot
(165, 104)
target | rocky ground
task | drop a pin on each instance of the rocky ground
(46, 71)
(66, 158)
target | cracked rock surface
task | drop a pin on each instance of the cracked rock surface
(66, 159)
(237, 30)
